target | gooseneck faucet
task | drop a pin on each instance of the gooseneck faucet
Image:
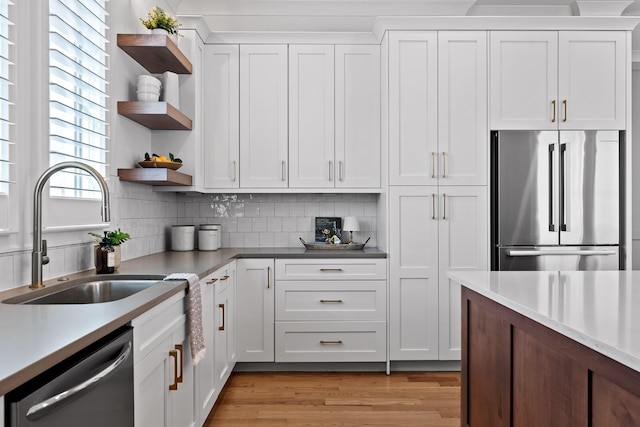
(39, 254)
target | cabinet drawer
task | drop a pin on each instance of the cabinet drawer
(331, 269)
(331, 300)
(331, 342)
(152, 327)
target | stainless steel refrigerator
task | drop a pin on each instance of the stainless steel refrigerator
(555, 200)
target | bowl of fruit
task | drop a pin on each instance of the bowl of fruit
(155, 161)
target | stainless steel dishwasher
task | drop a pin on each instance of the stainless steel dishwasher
(92, 388)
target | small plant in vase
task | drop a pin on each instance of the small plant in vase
(158, 19)
(116, 238)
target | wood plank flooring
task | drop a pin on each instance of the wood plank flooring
(309, 399)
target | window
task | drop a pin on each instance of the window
(7, 112)
(78, 65)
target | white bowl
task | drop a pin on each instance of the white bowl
(146, 79)
(148, 96)
(144, 87)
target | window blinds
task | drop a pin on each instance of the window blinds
(78, 65)
(7, 78)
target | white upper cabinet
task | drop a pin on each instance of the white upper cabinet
(357, 112)
(263, 116)
(437, 108)
(311, 116)
(462, 107)
(413, 105)
(547, 80)
(591, 80)
(222, 116)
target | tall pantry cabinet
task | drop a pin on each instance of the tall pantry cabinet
(437, 124)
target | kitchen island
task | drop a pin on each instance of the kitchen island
(550, 348)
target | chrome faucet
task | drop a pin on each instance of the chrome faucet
(39, 254)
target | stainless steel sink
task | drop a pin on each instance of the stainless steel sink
(89, 290)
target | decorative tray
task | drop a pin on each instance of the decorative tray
(330, 247)
(167, 165)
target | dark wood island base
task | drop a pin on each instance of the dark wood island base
(517, 372)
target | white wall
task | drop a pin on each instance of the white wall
(635, 124)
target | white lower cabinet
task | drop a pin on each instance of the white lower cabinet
(163, 372)
(255, 292)
(433, 229)
(330, 310)
(220, 344)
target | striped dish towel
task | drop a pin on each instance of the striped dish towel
(196, 335)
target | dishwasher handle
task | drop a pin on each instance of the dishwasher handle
(32, 413)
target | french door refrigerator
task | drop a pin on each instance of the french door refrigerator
(555, 200)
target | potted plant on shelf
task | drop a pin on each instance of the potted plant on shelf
(116, 238)
(159, 21)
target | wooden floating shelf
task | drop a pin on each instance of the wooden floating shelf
(155, 115)
(157, 53)
(154, 176)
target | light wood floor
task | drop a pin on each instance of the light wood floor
(311, 399)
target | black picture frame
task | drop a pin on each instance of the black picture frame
(327, 222)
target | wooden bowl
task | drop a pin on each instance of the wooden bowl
(168, 165)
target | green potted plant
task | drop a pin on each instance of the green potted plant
(116, 238)
(158, 19)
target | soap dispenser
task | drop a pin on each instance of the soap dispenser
(105, 257)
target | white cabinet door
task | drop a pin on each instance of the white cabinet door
(462, 108)
(182, 399)
(524, 80)
(464, 244)
(221, 116)
(413, 259)
(357, 111)
(263, 116)
(255, 310)
(224, 329)
(592, 79)
(311, 116)
(206, 385)
(152, 377)
(413, 105)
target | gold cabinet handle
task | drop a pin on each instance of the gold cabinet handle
(283, 170)
(174, 354)
(444, 164)
(444, 206)
(269, 277)
(330, 269)
(433, 165)
(564, 110)
(180, 349)
(221, 327)
(433, 206)
(212, 281)
(330, 341)
(553, 105)
(326, 301)
(330, 171)
(234, 171)
(225, 277)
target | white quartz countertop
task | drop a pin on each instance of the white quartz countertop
(599, 309)
(36, 337)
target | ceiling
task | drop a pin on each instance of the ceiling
(356, 16)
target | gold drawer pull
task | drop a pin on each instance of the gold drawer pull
(212, 281)
(330, 300)
(330, 269)
(174, 354)
(181, 350)
(225, 277)
(330, 341)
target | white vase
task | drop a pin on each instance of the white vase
(173, 37)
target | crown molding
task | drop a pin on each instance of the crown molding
(600, 7)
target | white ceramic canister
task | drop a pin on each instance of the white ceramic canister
(182, 237)
(209, 237)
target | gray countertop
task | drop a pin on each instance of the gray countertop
(36, 337)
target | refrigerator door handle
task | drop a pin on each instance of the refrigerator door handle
(543, 252)
(552, 226)
(563, 222)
